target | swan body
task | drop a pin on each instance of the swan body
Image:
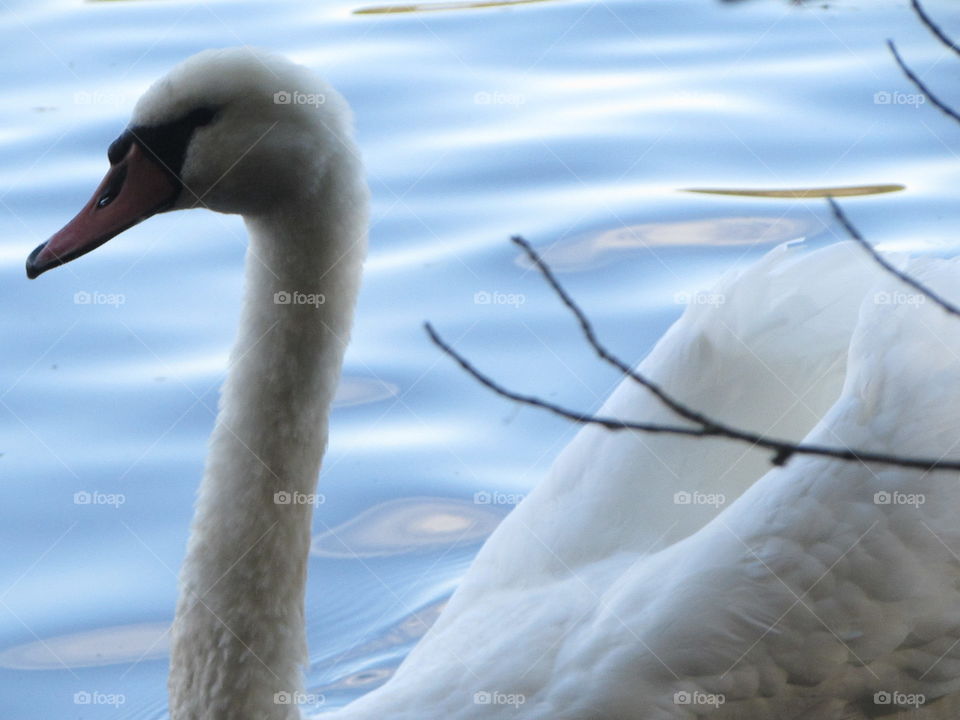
(803, 595)
(611, 592)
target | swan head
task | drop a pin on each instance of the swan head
(236, 131)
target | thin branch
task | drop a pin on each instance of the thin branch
(533, 401)
(939, 104)
(704, 426)
(933, 27)
(783, 449)
(602, 351)
(708, 426)
(882, 262)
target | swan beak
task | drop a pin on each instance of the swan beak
(134, 188)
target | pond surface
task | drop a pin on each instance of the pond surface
(580, 125)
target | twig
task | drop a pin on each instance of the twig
(939, 104)
(707, 424)
(602, 351)
(933, 27)
(882, 262)
(577, 417)
(704, 426)
(783, 449)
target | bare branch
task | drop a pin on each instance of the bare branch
(703, 426)
(939, 104)
(602, 351)
(933, 27)
(783, 449)
(882, 262)
(577, 417)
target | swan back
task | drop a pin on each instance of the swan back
(825, 590)
(769, 355)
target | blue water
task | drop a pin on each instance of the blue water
(576, 124)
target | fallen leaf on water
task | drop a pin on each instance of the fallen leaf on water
(804, 192)
(434, 7)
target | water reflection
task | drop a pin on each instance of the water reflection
(354, 390)
(438, 6)
(104, 646)
(382, 648)
(596, 249)
(410, 629)
(406, 525)
(366, 679)
(363, 680)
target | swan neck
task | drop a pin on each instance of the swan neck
(239, 637)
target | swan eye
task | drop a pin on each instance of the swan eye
(113, 188)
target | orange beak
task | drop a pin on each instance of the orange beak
(135, 187)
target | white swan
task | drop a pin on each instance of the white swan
(212, 133)
(604, 594)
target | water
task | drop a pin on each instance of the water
(577, 124)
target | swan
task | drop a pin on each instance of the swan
(819, 589)
(215, 133)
